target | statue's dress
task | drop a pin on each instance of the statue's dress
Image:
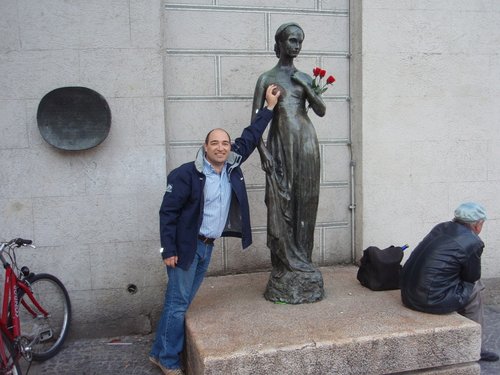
(292, 189)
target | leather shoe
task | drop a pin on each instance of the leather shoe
(489, 356)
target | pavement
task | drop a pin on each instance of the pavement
(129, 354)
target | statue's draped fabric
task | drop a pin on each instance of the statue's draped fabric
(292, 189)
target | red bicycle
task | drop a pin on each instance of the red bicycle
(36, 312)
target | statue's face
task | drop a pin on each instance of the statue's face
(292, 43)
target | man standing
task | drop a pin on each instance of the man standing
(204, 200)
(443, 273)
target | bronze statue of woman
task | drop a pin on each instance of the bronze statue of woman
(291, 161)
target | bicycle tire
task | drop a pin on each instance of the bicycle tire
(8, 363)
(45, 334)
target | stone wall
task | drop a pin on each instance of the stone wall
(214, 54)
(423, 77)
(92, 214)
(430, 74)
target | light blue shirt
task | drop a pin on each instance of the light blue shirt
(217, 200)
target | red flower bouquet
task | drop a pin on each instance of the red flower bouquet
(318, 85)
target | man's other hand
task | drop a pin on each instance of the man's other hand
(171, 262)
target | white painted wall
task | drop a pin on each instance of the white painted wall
(430, 118)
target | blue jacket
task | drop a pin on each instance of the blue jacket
(440, 274)
(181, 211)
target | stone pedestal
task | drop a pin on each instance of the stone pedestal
(232, 329)
(295, 287)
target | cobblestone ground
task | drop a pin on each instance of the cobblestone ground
(123, 355)
(492, 332)
(129, 354)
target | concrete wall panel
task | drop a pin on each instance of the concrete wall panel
(239, 74)
(190, 75)
(258, 209)
(13, 127)
(122, 72)
(194, 119)
(71, 263)
(334, 239)
(85, 219)
(252, 168)
(332, 125)
(201, 30)
(338, 5)
(140, 267)
(429, 79)
(256, 257)
(332, 204)
(32, 74)
(335, 158)
(9, 26)
(16, 217)
(298, 4)
(145, 23)
(324, 33)
(49, 24)
(417, 75)
(135, 122)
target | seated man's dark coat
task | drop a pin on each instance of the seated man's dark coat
(440, 273)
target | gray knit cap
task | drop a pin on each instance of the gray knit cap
(470, 212)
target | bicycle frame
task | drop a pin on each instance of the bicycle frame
(3, 356)
(12, 283)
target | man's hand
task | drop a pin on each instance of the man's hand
(171, 262)
(272, 95)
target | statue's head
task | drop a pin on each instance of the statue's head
(284, 32)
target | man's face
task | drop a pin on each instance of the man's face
(478, 227)
(218, 147)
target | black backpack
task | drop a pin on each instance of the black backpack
(380, 269)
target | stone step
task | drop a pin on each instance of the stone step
(232, 329)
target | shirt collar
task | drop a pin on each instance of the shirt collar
(208, 169)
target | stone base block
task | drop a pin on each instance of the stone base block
(295, 287)
(232, 329)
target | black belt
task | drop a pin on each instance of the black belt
(206, 240)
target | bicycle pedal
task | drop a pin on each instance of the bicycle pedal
(45, 335)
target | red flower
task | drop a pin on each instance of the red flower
(318, 85)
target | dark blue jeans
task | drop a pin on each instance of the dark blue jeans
(181, 290)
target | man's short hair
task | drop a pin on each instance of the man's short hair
(210, 132)
(470, 212)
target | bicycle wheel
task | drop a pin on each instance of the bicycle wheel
(8, 363)
(45, 335)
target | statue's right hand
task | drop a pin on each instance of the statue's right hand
(266, 160)
(299, 78)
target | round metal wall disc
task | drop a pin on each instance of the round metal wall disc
(73, 118)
